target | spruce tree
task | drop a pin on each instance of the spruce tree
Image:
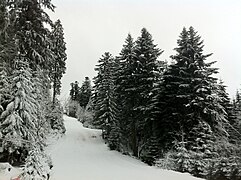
(73, 103)
(236, 121)
(34, 42)
(145, 75)
(7, 54)
(58, 66)
(74, 91)
(188, 95)
(103, 99)
(123, 82)
(135, 78)
(85, 93)
(19, 120)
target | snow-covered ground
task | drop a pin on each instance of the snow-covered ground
(82, 155)
(8, 172)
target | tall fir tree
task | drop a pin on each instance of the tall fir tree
(74, 91)
(7, 54)
(26, 59)
(19, 120)
(145, 75)
(188, 97)
(123, 81)
(58, 63)
(34, 42)
(137, 73)
(103, 99)
(85, 93)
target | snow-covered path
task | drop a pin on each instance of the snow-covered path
(82, 155)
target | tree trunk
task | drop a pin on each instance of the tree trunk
(134, 138)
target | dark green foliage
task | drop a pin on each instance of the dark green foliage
(7, 52)
(58, 65)
(103, 96)
(55, 117)
(177, 113)
(34, 42)
(135, 78)
(124, 95)
(84, 93)
(186, 92)
(74, 91)
(18, 121)
(236, 120)
(27, 57)
(151, 152)
(79, 97)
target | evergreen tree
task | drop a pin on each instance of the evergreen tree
(73, 103)
(27, 57)
(137, 73)
(19, 120)
(37, 166)
(34, 42)
(7, 53)
(103, 99)
(145, 75)
(74, 91)
(187, 94)
(55, 117)
(125, 97)
(230, 112)
(85, 93)
(41, 89)
(201, 151)
(58, 64)
(236, 121)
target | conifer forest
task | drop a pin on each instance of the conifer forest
(175, 115)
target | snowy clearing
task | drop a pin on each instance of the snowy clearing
(82, 155)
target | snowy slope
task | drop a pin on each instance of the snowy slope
(82, 155)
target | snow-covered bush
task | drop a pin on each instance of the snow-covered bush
(72, 108)
(228, 163)
(167, 162)
(85, 115)
(55, 117)
(37, 167)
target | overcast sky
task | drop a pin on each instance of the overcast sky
(93, 27)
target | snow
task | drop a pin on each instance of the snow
(8, 172)
(82, 154)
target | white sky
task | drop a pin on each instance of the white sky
(93, 27)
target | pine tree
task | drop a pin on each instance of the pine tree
(124, 95)
(55, 117)
(7, 53)
(74, 91)
(202, 150)
(145, 75)
(19, 120)
(58, 63)
(73, 103)
(134, 80)
(85, 93)
(230, 112)
(103, 99)
(187, 94)
(41, 89)
(34, 42)
(37, 166)
(236, 120)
